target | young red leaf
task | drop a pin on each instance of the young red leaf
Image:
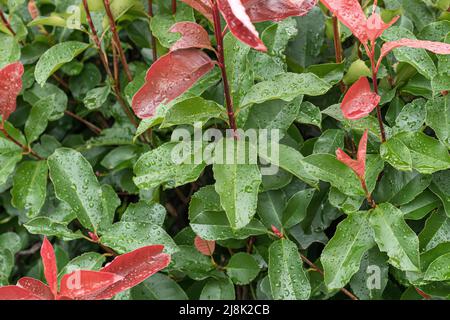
(435, 47)
(277, 232)
(358, 165)
(376, 26)
(205, 247)
(350, 13)
(36, 287)
(359, 101)
(50, 268)
(10, 87)
(277, 10)
(83, 284)
(168, 78)
(240, 24)
(134, 267)
(202, 6)
(16, 293)
(193, 35)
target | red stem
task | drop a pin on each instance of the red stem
(221, 63)
(174, 6)
(371, 54)
(26, 149)
(338, 47)
(6, 23)
(116, 39)
(152, 38)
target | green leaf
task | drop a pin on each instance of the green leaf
(87, 261)
(158, 287)
(418, 58)
(342, 255)
(6, 266)
(285, 87)
(242, 268)
(439, 269)
(288, 279)
(397, 154)
(419, 12)
(421, 206)
(441, 187)
(190, 261)
(237, 184)
(428, 155)
(55, 57)
(126, 236)
(218, 289)
(159, 166)
(192, 110)
(436, 230)
(38, 119)
(30, 187)
(96, 97)
(296, 207)
(288, 159)
(48, 227)
(275, 114)
(304, 49)
(10, 241)
(395, 237)
(9, 51)
(327, 168)
(412, 117)
(400, 188)
(75, 183)
(38, 93)
(329, 141)
(309, 114)
(209, 221)
(372, 277)
(10, 155)
(438, 118)
(144, 211)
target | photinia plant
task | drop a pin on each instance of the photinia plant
(224, 149)
(124, 272)
(368, 30)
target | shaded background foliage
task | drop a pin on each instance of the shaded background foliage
(97, 180)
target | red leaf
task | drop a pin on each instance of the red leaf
(435, 47)
(277, 232)
(202, 6)
(359, 101)
(192, 36)
(50, 269)
(277, 10)
(376, 26)
(16, 293)
(168, 78)
(36, 287)
(358, 165)
(134, 267)
(10, 87)
(83, 284)
(240, 24)
(350, 13)
(205, 247)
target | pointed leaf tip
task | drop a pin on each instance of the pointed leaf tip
(36, 287)
(134, 267)
(205, 247)
(359, 101)
(240, 24)
(358, 165)
(10, 87)
(50, 268)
